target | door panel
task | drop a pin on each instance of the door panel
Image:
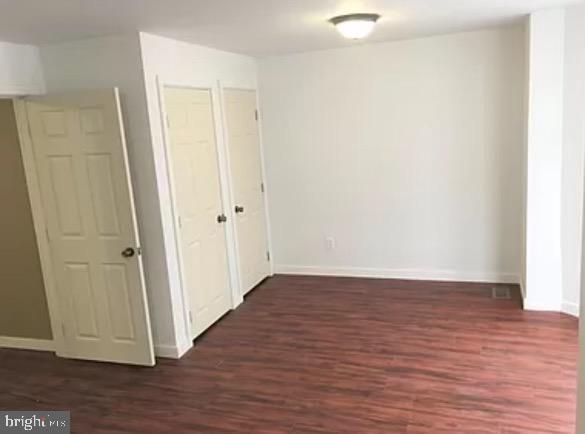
(83, 305)
(89, 211)
(197, 194)
(62, 177)
(119, 302)
(102, 194)
(246, 167)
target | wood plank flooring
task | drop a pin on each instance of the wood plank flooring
(331, 355)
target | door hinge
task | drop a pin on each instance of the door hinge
(139, 250)
(268, 256)
(190, 317)
(262, 187)
(256, 114)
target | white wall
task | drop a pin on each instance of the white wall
(555, 158)
(116, 61)
(526, 87)
(20, 70)
(179, 63)
(573, 156)
(409, 154)
(574, 142)
(544, 161)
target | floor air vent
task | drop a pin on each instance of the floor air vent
(501, 292)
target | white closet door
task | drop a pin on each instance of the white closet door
(246, 168)
(197, 196)
(82, 165)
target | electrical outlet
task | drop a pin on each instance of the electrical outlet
(330, 243)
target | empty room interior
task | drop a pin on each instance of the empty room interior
(292, 216)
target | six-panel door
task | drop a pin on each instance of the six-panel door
(198, 203)
(82, 167)
(246, 175)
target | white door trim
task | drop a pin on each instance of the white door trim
(236, 293)
(222, 89)
(41, 231)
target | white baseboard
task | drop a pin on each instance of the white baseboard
(407, 274)
(541, 306)
(165, 351)
(172, 351)
(570, 308)
(26, 343)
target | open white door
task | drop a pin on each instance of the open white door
(88, 207)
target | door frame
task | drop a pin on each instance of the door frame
(40, 226)
(223, 87)
(226, 193)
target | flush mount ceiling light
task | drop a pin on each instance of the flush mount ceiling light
(355, 26)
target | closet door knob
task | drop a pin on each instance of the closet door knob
(128, 252)
(221, 218)
(239, 209)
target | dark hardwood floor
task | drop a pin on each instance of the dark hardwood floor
(331, 355)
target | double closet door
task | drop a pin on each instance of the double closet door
(248, 189)
(201, 218)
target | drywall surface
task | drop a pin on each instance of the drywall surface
(525, 130)
(115, 61)
(170, 62)
(20, 70)
(23, 310)
(544, 161)
(573, 156)
(401, 159)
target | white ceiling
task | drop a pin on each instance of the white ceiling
(254, 27)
